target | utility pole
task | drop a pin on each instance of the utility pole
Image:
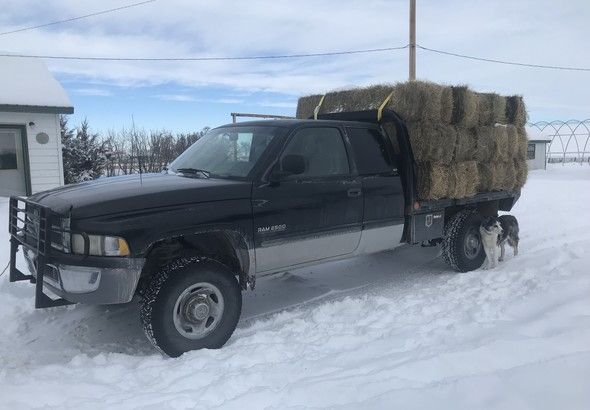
(412, 74)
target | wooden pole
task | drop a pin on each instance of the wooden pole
(412, 73)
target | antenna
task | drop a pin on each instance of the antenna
(134, 138)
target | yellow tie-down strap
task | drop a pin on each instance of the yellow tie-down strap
(382, 106)
(317, 108)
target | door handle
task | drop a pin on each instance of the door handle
(354, 192)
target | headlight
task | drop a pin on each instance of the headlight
(99, 245)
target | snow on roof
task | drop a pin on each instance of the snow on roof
(26, 82)
(536, 135)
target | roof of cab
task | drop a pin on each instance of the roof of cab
(288, 123)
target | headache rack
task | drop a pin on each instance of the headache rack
(31, 227)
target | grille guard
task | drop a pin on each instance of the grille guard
(31, 226)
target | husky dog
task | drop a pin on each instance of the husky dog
(491, 232)
(509, 234)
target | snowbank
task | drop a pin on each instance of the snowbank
(396, 329)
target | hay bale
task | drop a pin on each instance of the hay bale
(446, 105)
(356, 99)
(523, 142)
(413, 101)
(465, 145)
(484, 143)
(512, 141)
(485, 172)
(491, 109)
(516, 113)
(492, 143)
(521, 171)
(306, 105)
(421, 101)
(432, 142)
(501, 143)
(465, 179)
(432, 180)
(465, 106)
(504, 175)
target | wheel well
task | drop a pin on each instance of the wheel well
(223, 246)
(488, 208)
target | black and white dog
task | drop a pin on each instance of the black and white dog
(496, 232)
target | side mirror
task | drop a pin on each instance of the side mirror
(290, 165)
(293, 164)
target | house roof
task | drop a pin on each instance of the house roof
(536, 135)
(26, 85)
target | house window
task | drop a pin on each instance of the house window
(530, 151)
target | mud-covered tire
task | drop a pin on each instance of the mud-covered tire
(166, 288)
(459, 247)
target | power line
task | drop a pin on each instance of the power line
(294, 56)
(492, 60)
(268, 57)
(77, 18)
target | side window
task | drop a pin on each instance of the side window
(322, 149)
(370, 151)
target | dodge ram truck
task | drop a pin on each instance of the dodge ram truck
(246, 200)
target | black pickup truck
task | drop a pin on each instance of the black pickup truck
(246, 200)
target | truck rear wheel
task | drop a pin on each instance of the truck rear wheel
(462, 246)
(191, 304)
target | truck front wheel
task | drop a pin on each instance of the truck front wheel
(191, 304)
(462, 246)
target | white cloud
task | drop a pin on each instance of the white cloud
(530, 31)
(175, 97)
(98, 92)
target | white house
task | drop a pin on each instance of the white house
(30, 143)
(537, 148)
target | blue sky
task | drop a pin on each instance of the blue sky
(187, 96)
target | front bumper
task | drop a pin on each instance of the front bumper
(93, 279)
(73, 278)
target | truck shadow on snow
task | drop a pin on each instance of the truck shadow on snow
(58, 334)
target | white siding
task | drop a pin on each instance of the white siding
(45, 160)
(540, 156)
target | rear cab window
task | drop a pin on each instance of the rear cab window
(371, 152)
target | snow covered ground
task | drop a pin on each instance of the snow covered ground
(392, 330)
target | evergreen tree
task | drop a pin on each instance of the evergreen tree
(83, 154)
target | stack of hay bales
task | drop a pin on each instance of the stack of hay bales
(463, 142)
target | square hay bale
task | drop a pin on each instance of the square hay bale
(484, 143)
(516, 113)
(306, 105)
(521, 171)
(491, 109)
(432, 180)
(504, 175)
(446, 105)
(465, 179)
(466, 144)
(422, 101)
(465, 106)
(492, 143)
(512, 141)
(356, 99)
(523, 142)
(501, 143)
(486, 176)
(413, 101)
(432, 142)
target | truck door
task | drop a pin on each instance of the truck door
(311, 216)
(383, 194)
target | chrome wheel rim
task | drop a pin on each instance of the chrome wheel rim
(198, 310)
(472, 243)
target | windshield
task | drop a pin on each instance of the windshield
(225, 152)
